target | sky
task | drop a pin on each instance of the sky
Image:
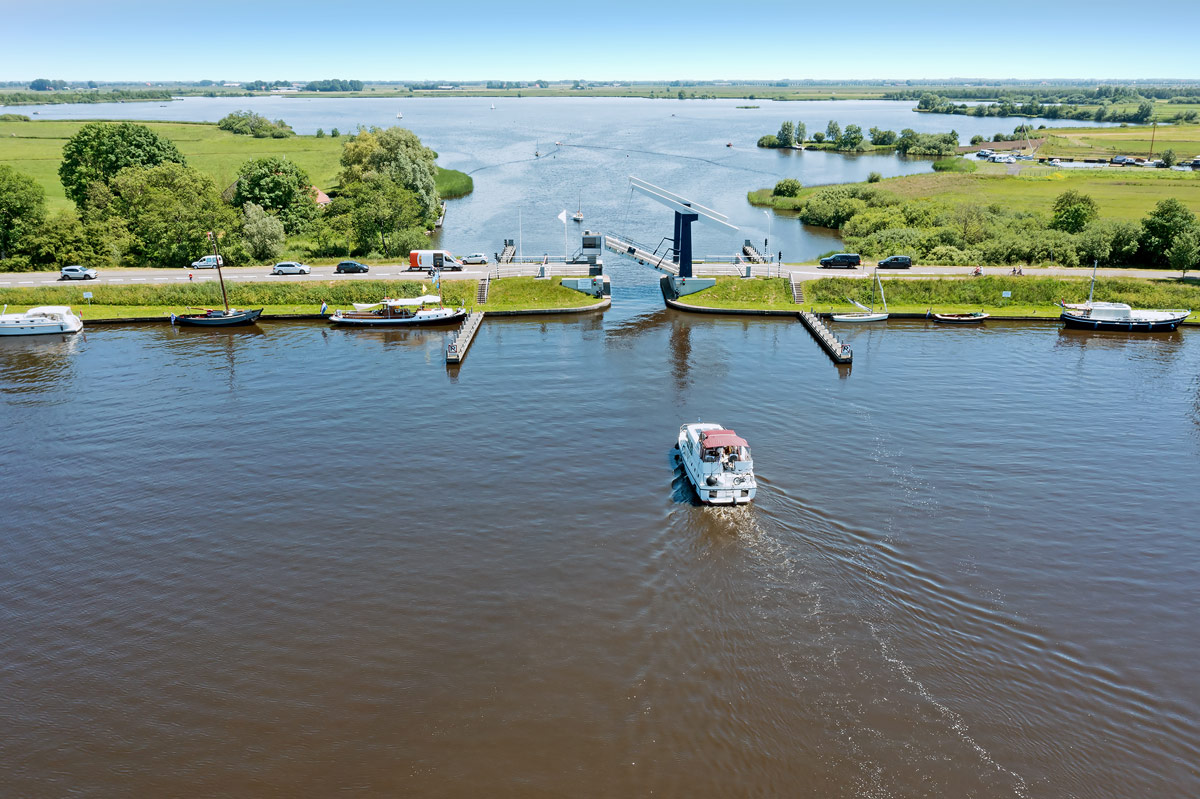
(120, 40)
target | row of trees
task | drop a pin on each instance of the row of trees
(876, 223)
(138, 203)
(851, 139)
(1060, 94)
(1105, 112)
(334, 85)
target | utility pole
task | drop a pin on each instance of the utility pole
(1153, 129)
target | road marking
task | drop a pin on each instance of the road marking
(117, 279)
(25, 282)
(162, 278)
(137, 280)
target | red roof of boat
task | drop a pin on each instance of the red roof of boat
(722, 438)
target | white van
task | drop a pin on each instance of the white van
(208, 262)
(432, 260)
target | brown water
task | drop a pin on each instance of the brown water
(301, 560)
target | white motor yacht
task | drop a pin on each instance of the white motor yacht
(717, 462)
(40, 320)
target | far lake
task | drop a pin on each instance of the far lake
(680, 145)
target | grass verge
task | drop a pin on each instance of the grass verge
(125, 302)
(1031, 296)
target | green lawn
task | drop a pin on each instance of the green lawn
(1132, 140)
(1031, 296)
(122, 302)
(35, 148)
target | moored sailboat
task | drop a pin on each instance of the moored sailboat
(1119, 316)
(402, 312)
(868, 314)
(209, 317)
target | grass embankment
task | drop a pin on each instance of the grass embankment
(1127, 193)
(129, 302)
(1031, 296)
(35, 149)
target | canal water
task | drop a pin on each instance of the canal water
(300, 560)
(586, 150)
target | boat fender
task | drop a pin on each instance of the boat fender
(712, 481)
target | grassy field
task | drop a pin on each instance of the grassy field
(1134, 140)
(1126, 193)
(126, 302)
(35, 148)
(1031, 296)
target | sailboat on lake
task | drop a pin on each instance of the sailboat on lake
(868, 314)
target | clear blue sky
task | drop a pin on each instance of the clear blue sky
(463, 39)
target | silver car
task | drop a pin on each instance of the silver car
(76, 273)
(291, 268)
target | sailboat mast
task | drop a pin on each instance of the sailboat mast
(882, 296)
(1092, 290)
(220, 277)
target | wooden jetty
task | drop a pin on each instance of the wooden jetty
(457, 350)
(839, 352)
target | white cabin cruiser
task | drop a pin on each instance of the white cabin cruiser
(40, 320)
(718, 464)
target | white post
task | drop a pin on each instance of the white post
(767, 243)
(520, 245)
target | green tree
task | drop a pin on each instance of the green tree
(1169, 158)
(1184, 253)
(1073, 211)
(833, 131)
(169, 209)
(768, 141)
(396, 154)
(851, 138)
(59, 241)
(278, 186)
(977, 139)
(334, 132)
(383, 212)
(801, 132)
(99, 150)
(320, 134)
(1161, 226)
(262, 233)
(22, 208)
(1095, 243)
(818, 137)
(786, 134)
(788, 187)
(882, 137)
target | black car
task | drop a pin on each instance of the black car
(896, 262)
(843, 260)
(351, 266)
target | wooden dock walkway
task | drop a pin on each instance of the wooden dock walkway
(457, 350)
(752, 254)
(839, 352)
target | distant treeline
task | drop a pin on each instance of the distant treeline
(936, 104)
(55, 98)
(1059, 94)
(334, 85)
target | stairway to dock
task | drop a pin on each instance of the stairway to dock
(839, 352)
(507, 254)
(482, 292)
(797, 288)
(457, 350)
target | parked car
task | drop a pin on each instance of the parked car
(291, 268)
(843, 260)
(475, 258)
(76, 273)
(208, 262)
(896, 262)
(351, 266)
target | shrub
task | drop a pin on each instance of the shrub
(874, 177)
(788, 187)
(768, 141)
(818, 137)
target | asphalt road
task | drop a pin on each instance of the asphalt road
(399, 272)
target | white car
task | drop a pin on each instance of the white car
(291, 268)
(475, 258)
(77, 273)
(208, 262)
